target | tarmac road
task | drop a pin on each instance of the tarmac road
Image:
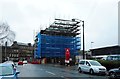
(51, 71)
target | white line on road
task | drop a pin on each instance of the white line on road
(62, 76)
(50, 73)
(41, 69)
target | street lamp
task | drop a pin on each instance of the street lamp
(83, 41)
(5, 50)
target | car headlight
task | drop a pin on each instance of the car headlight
(96, 69)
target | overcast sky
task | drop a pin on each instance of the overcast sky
(27, 16)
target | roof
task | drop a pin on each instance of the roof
(4, 64)
(21, 44)
(24, 44)
(105, 47)
(9, 62)
(63, 27)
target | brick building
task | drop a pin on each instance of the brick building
(17, 51)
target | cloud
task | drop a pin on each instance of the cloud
(100, 16)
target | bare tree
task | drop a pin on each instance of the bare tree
(6, 35)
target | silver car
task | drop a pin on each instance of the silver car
(91, 66)
(114, 73)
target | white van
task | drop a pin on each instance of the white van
(91, 66)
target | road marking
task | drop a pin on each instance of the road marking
(50, 73)
(62, 76)
(41, 69)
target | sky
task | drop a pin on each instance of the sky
(26, 17)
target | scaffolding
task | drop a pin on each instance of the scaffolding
(62, 27)
(51, 42)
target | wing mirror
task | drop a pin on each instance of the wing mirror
(17, 72)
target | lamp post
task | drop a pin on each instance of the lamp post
(83, 41)
(5, 50)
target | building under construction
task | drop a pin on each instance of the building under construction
(52, 42)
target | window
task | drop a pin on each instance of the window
(82, 62)
(6, 70)
(95, 63)
(87, 63)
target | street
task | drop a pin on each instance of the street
(50, 71)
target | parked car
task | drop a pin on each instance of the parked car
(91, 66)
(25, 62)
(114, 73)
(8, 71)
(10, 62)
(113, 57)
(108, 57)
(20, 62)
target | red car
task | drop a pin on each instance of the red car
(20, 62)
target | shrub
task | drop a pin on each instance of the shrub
(109, 64)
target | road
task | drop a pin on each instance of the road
(49, 71)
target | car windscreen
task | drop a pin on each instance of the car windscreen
(95, 63)
(6, 70)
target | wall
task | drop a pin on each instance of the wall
(106, 51)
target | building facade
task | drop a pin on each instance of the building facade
(18, 51)
(21, 51)
(112, 50)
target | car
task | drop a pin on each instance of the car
(10, 62)
(113, 57)
(114, 73)
(92, 67)
(25, 62)
(20, 62)
(8, 71)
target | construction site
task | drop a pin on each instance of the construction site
(59, 43)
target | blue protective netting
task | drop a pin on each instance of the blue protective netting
(54, 46)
